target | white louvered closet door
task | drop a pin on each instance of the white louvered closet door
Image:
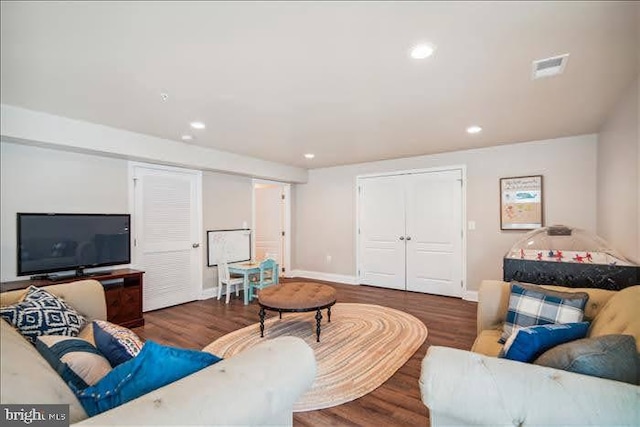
(167, 235)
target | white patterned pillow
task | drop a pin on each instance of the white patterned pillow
(117, 343)
(42, 313)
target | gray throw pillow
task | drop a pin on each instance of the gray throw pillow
(609, 356)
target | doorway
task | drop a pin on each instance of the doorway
(272, 222)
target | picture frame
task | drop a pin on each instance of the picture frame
(521, 203)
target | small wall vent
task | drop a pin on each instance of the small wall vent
(549, 67)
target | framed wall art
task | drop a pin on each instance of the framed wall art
(521, 203)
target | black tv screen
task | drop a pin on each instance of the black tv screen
(59, 242)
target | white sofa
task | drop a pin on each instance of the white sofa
(476, 388)
(256, 387)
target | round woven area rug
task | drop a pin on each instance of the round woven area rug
(362, 347)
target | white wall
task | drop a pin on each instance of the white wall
(226, 204)
(325, 205)
(41, 180)
(618, 177)
(35, 179)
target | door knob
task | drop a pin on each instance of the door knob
(401, 237)
(196, 245)
(408, 237)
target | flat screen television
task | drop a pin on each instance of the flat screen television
(55, 242)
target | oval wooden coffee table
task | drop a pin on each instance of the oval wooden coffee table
(297, 297)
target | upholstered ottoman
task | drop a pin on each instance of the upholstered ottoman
(297, 297)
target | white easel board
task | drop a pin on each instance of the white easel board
(235, 245)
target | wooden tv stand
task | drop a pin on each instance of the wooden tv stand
(122, 291)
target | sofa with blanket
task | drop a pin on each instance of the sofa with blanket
(478, 388)
(256, 387)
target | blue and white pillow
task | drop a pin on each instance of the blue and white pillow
(531, 305)
(526, 344)
(42, 313)
(117, 343)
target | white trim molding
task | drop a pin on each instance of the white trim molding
(20, 125)
(209, 293)
(329, 277)
(470, 296)
(353, 280)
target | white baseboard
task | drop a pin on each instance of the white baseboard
(209, 293)
(329, 277)
(352, 280)
(470, 296)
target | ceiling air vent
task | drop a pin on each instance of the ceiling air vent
(550, 66)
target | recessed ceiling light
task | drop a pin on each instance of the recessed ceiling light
(309, 155)
(187, 137)
(474, 129)
(197, 125)
(422, 51)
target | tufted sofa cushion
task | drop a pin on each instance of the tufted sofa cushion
(494, 302)
(619, 315)
(611, 312)
(86, 296)
(297, 295)
(597, 298)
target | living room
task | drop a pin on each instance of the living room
(73, 125)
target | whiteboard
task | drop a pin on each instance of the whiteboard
(235, 245)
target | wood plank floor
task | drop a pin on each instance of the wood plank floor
(451, 322)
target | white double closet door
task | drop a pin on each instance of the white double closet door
(410, 232)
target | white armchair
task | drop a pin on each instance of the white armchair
(475, 388)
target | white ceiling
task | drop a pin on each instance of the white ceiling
(275, 80)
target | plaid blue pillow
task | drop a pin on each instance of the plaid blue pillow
(531, 305)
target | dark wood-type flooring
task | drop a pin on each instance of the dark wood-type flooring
(451, 322)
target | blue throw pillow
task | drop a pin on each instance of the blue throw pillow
(526, 344)
(155, 366)
(531, 305)
(117, 343)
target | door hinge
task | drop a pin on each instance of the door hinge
(135, 242)
(282, 196)
(461, 284)
(284, 269)
(359, 189)
(358, 231)
(283, 233)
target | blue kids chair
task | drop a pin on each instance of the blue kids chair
(268, 276)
